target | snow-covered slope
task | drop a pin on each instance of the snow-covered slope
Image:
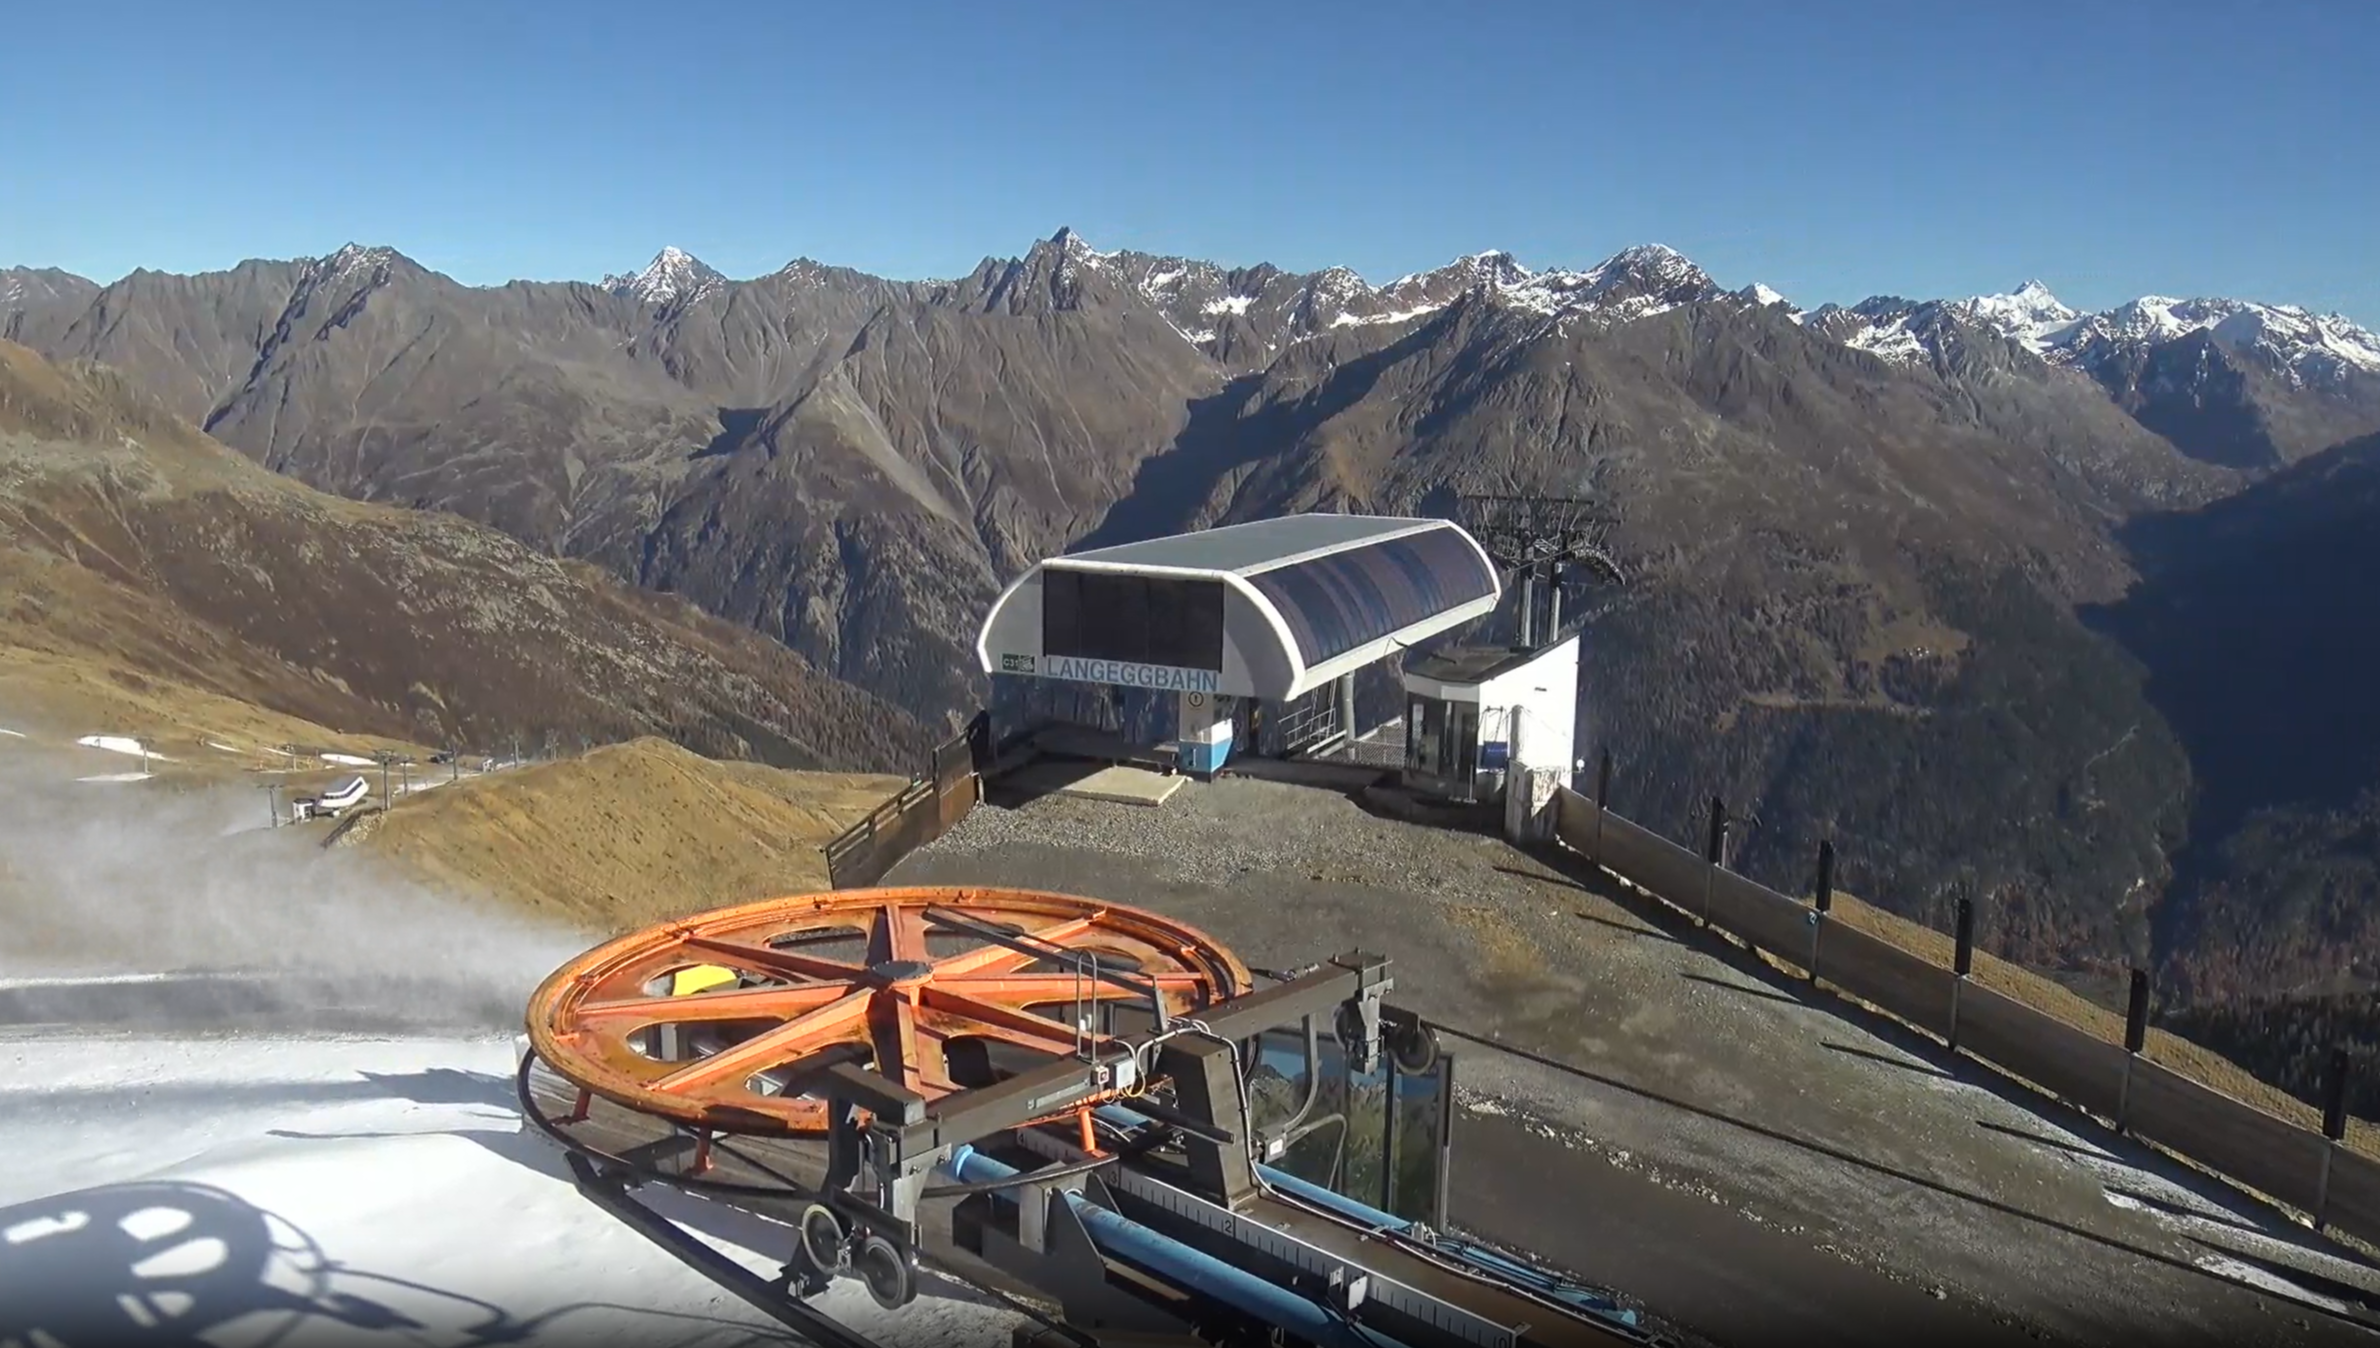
(348, 1191)
(2311, 348)
(2030, 313)
(1245, 315)
(2307, 347)
(672, 276)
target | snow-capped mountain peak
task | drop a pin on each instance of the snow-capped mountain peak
(2294, 343)
(351, 259)
(1077, 247)
(1633, 283)
(672, 275)
(2030, 314)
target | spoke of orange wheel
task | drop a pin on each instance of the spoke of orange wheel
(900, 934)
(708, 1007)
(1042, 1031)
(1000, 959)
(769, 1048)
(1033, 989)
(773, 960)
(893, 1027)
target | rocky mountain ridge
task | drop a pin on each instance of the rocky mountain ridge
(140, 558)
(1847, 565)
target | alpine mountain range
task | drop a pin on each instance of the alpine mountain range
(2015, 602)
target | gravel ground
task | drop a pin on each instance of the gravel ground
(1679, 1064)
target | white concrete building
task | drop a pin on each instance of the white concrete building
(1459, 705)
(1212, 635)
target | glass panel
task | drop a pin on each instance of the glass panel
(1415, 1144)
(1185, 624)
(1061, 611)
(1278, 1076)
(1338, 1143)
(1343, 600)
(1428, 729)
(1115, 618)
(1364, 1177)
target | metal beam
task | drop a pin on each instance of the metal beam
(921, 1125)
(1024, 944)
(809, 1324)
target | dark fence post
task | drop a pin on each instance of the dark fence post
(1715, 852)
(2136, 1037)
(1962, 963)
(2334, 1098)
(979, 740)
(2334, 1131)
(1822, 900)
(1602, 799)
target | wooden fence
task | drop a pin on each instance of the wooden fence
(923, 811)
(2300, 1167)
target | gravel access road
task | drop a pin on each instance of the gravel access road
(1665, 1116)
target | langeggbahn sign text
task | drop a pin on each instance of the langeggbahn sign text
(1121, 673)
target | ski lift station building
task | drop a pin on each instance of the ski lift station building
(1245, 638)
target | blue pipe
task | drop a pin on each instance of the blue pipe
(1196, 1269)
(1584, 1298)
(1282, 1179)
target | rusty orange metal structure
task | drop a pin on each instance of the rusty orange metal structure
(608, 1022)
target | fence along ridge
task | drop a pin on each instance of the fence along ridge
(916, 815)
(2236, 1139)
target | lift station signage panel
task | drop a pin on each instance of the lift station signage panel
(1119, 673)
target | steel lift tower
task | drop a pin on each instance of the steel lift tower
(1541, 542)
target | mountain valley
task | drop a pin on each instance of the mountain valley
(1894, 569)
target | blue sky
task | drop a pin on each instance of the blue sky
(1832, 150)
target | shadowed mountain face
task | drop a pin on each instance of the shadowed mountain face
(2254, 621)
(137, 552)
(1856, 538)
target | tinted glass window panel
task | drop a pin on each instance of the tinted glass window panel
(1061, 612)
(1186, 623)
(1115, 618)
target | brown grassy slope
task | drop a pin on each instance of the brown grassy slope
(60, 697)
(627, 835)
(135, 551)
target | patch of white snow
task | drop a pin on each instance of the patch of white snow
(356, 1192)
(120, 744)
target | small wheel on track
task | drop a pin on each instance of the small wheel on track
(1413, 1048)
(707, 1021)
(889, 1271)
(824, 1239)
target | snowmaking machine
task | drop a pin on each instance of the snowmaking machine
(1067, 1101)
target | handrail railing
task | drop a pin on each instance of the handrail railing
(2311, 1171)
(916, 814)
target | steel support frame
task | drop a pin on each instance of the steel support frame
(885, 1141)
(904, 1136)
